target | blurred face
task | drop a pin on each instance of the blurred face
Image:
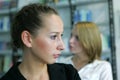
(74, 44)
(47, 45)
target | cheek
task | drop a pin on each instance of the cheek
(41, 44)
(76, 44)
(78, 47)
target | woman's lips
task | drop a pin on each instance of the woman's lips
(70, 47)
(56, 55)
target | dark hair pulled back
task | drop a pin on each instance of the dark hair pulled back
(29, 18)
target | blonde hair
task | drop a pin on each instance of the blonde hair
(89, 37)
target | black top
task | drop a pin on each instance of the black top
(57, 71)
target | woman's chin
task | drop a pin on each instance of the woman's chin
(52, 61)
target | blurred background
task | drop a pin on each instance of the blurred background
(105, 13)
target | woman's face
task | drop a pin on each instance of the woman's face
(74, 43)
(76, 46)
(47, 45)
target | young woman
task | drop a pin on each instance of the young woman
(37, 30)
(85, 44)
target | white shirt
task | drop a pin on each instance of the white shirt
(97, 70)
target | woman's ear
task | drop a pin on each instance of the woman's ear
(26, 38)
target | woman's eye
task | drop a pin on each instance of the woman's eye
(53, 37)
(76, 37)
(61, 35)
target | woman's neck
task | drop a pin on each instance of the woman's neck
(79, 62)
(33, 70)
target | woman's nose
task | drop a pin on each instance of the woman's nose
(61, 45)
(71, 40)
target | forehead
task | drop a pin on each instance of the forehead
(74, 30)
(52, 18)
(52, 23)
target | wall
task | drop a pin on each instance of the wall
(116, 8)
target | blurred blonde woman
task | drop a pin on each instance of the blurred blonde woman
(85, 43)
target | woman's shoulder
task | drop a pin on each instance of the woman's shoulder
(67, 70)
(13, 73)
(96, 64)
(62, 65)
(102, 62)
